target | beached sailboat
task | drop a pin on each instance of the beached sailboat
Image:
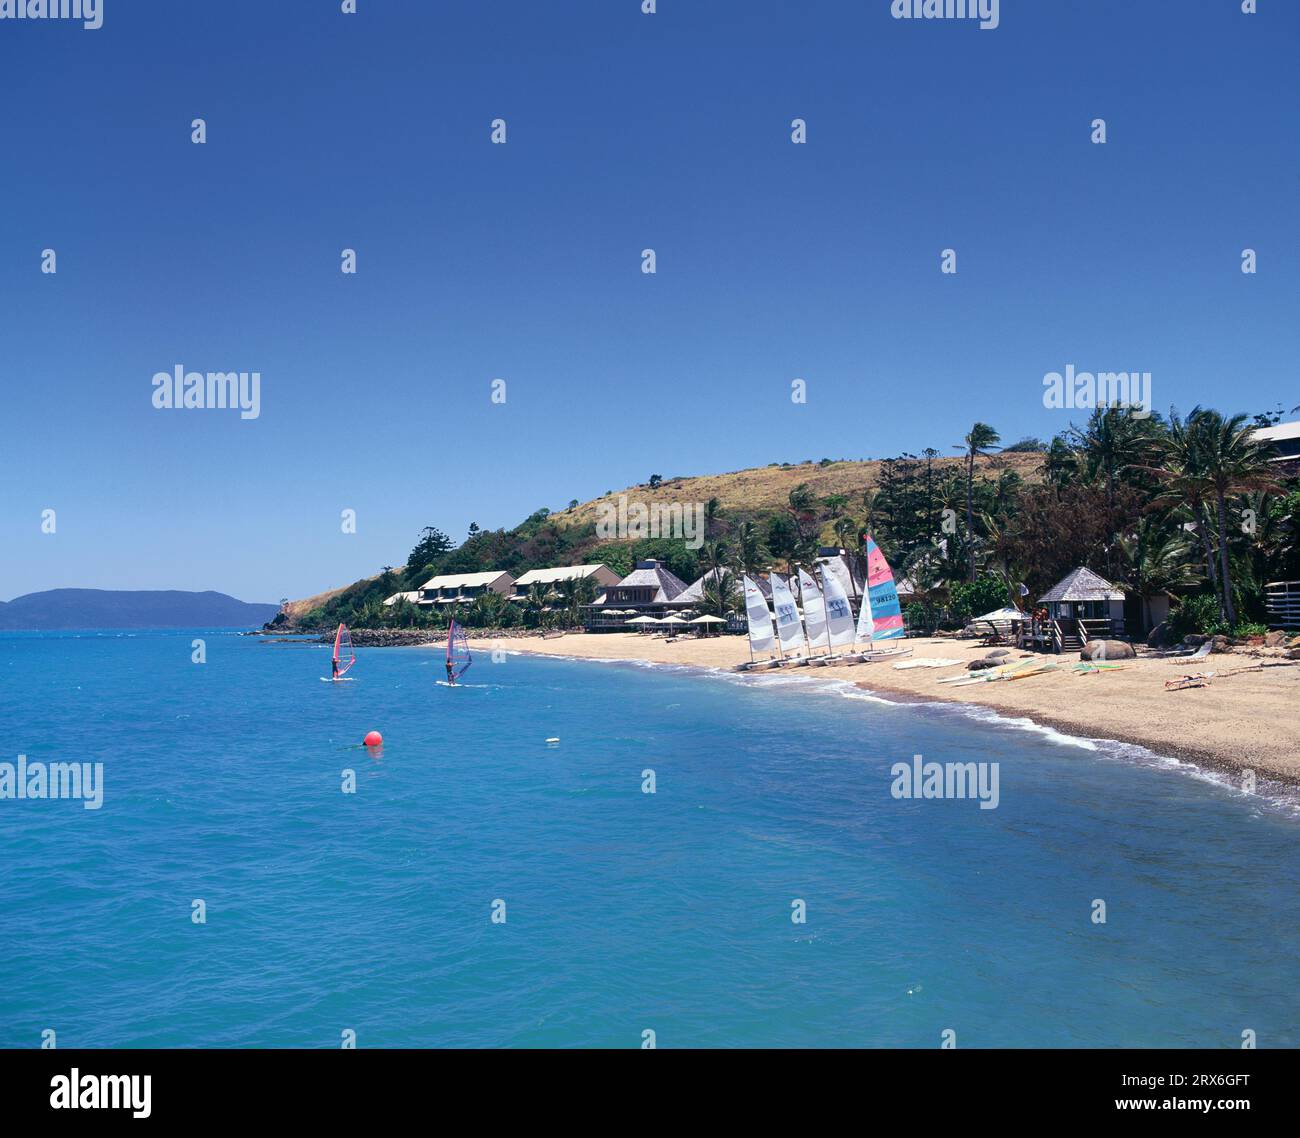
(789, 625)
(343, 656)
(459, 657)
(761, 636)
(881, 617)
(840, 629)
(814, 618)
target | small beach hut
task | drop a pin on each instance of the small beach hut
(1082, 606)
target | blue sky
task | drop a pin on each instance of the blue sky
(626, 131)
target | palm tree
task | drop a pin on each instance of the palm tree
(574, 593)
(721, 594)
(803, 510)
(1158, 557)
(712, 509)
(981, 439)
(749, 553)
(538, 595)
(1113, 441)
(1182, 472)
(1234, 462)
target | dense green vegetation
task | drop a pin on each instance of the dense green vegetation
(1188, 505)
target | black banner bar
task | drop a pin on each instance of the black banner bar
(335, 1087)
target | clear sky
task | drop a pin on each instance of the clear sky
(522, 261)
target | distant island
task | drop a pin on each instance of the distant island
(57, 609)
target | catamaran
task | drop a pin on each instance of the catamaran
(789, 626)
(880, 617)
(459, 657)
(343, 657)
(761, 637)
(814, 618)
(839, 617)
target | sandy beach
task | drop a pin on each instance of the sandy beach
(1245, 720)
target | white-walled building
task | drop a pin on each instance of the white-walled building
(462, 588)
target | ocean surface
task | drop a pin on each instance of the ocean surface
(625, 912)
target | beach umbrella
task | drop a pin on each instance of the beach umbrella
(705, 621)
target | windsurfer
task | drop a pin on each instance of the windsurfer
(451, 674)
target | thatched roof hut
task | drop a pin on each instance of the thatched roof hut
(1081, 585)
(1082, 595)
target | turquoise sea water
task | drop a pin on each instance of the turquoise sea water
(625, 911)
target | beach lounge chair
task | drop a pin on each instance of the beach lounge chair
(1194, 680)
(1200, 654)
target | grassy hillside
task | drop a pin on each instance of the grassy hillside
(763, 490)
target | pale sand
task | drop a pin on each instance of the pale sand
(1250, 720)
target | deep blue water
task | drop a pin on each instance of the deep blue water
(625, 911)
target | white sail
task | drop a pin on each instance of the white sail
(814, 611)
(839, 614)
(761, 638)
(788, 625)
(866, 626)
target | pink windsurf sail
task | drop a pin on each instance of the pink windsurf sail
(458, 654)
(344, 657)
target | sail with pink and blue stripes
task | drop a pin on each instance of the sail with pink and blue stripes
(886, 615)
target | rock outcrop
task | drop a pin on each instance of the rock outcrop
(1107, 650)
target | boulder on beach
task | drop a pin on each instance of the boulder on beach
(1107, 650)
(980, 665)
(1161, 636)
(1221, 644)
(997, 652)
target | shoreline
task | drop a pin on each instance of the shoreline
(1239, 722)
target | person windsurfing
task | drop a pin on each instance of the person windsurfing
(451, 674)
(334, 669)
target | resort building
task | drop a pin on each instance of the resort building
(602, 575)
(693, 594)
(647, 591)
(1285, 438)
(412, 598)
(462, 588)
